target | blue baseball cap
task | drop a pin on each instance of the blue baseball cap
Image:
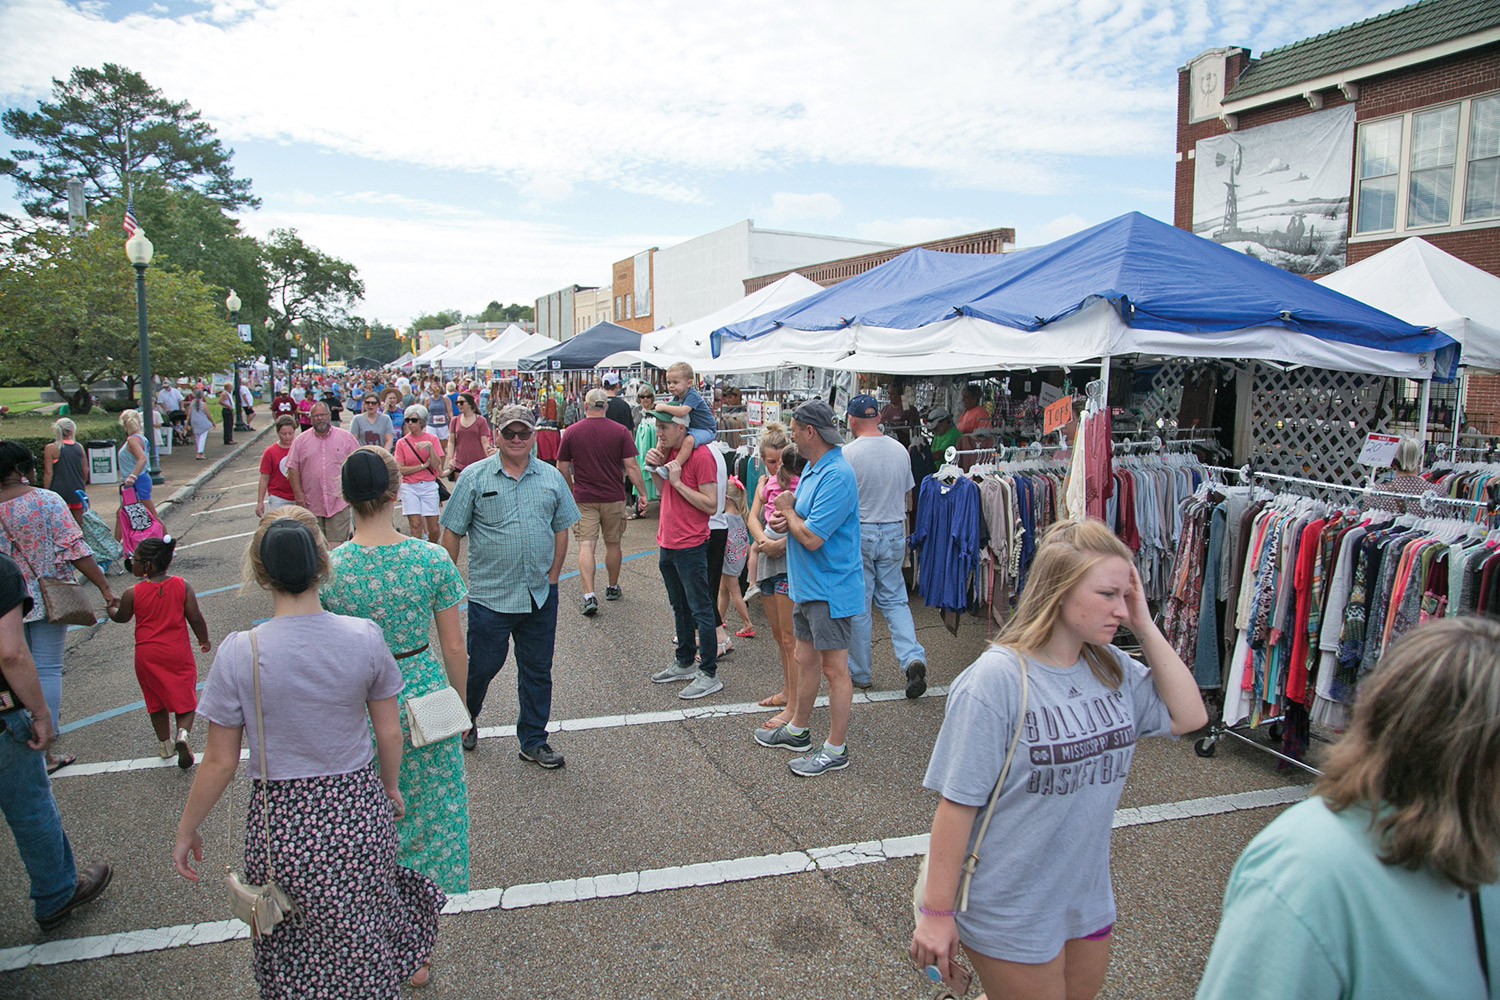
(863, 405)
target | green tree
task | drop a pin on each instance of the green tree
(108, 126)
(68, 315)
(307, 287)
(497, 313)
(436, 321)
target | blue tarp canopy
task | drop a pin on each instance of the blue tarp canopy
(584, 350)
(1129, 285)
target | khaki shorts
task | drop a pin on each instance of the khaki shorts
(594, 516)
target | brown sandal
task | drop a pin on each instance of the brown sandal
(777, 700)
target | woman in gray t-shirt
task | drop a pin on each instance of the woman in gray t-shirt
(368, 924)
(1040, 905)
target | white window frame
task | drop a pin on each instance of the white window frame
(1455, 221)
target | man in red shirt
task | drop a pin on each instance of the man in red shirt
(592, 453)
(689, 496)
(275, 488)
(284, 406)
(974, 415)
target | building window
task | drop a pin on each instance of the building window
(1482, 184)
(628, 314)
(617, 306)
(1410, 175)
(1379, 162)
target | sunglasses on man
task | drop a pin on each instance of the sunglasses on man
(521, 433)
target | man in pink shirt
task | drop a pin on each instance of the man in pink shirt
(313, 466)
(690, 495)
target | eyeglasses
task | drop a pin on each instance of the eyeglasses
(510, 435)
(412, 420)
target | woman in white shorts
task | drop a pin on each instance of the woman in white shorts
(419, 457)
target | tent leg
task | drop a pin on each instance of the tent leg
(1422, 418)
(1458, 407)
(1104, 377)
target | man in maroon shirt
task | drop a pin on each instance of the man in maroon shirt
(593, 453)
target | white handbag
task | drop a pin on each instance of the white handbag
(438, 715)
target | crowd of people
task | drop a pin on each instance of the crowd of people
(1409, 807)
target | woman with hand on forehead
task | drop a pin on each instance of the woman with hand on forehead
(1040, 907)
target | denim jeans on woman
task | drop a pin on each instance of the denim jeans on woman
(45, 640)
(684, 572)
(27, 802)
(883, 547)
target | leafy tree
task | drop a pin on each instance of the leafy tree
(497, 313)
(306, 286)
(68, 315)
(436, 321)
(83, 132)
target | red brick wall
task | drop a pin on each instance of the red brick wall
(1463, 75)
(623, 284)
(1482, 403)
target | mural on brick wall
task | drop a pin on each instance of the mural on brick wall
(1279, 192)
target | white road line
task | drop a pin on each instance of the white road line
(216, 510)
(517, 897)
(556, 726)
(210, 541)
(235, 486)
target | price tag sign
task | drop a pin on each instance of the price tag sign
(1057, 415)
(754, 412)
(1048, 394)
(1379, 450)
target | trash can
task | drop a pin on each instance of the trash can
(103, 466)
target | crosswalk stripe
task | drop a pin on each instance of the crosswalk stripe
(517, 897)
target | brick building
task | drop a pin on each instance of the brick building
(1331, 149)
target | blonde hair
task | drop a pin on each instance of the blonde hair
(255, 570)
(63, 428)
(131, 421)
(1409, 454)
(1068, 550)
(371, 507)
(773, 435)
(734, 495)
(680, 368)
(1422, 753)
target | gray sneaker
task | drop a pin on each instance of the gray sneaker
(785, 739)
(701, 686)
(675, 672)
(815, 764)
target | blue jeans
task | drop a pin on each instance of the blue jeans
(534, 633)
(45, 641)
(883, 547)
(684, 572)
(26, 799)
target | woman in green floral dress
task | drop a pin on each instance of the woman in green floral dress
(403, 584)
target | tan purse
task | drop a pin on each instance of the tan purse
(65, 602)
(919, 891)
(260, 906)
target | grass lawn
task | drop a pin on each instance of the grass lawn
(21, 398)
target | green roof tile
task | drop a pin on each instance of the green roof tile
(1430, 22)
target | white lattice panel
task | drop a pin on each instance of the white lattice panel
(1312, 422)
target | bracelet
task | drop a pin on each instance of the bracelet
(937, 913)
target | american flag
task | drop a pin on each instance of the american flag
(130, 224)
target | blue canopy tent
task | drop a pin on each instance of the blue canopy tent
(1131, 285)
(584, 350)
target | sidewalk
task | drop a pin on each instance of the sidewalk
(181, 472)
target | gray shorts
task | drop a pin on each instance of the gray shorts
(811, 623)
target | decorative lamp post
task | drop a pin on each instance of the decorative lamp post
(232, 303)
(139, 250)
(271, 353)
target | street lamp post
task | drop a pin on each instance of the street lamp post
(232, 303)
(139, 250)
(271, 354)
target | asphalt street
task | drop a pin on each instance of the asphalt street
(671, 857)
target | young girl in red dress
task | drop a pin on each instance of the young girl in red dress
(163, 607)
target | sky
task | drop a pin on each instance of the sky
(459, 152)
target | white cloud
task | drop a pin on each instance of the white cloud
(1063, 225)
(411, 265)
(647, 99)
(916, 229)
(788, 207)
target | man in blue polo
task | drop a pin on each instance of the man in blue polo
(517, 511)
(825, 577)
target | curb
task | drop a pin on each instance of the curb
(187, 491)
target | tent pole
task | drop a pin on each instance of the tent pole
(1422, 418)
(1104, 377)
(1458, 406)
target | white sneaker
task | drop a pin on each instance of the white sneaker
(166, 749)
(702, 686)
(752, 591)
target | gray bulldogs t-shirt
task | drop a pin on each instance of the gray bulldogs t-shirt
(1043, 875)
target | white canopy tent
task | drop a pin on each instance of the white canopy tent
(431, 355)
(1421, 284)
(465, 354)
(510, 339)
(689, 341)
(505, 360)
(404, 361)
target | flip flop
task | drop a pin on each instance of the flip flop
(748, 632)
(774, 721)
(62, 762)
(777, 700)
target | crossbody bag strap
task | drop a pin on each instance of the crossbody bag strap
(972, 861)
(265, 778)
(1479, 939)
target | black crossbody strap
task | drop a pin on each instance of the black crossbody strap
(1479, 939)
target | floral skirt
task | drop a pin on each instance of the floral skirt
(367, 923)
